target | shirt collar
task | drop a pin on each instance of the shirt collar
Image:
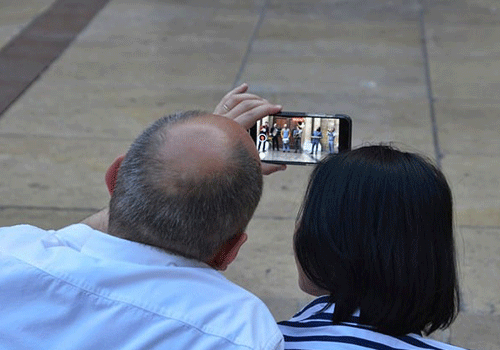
(104, 246)
(319, 307)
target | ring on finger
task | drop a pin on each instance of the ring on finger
(225, 107)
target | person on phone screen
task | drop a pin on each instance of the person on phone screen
(315, 138)
(285, 137)
(297, 136)
(265, 128)
(374, 243)
(331, 139)
(262, 137)
(275, 134)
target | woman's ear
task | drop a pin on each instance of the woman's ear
(112, 172)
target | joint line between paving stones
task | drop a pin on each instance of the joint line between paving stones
(250, 43)
(274, 217)
(16, 135)
(428, 83)
(479, 227)
(32, 207)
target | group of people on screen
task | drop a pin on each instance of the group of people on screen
(288, 138)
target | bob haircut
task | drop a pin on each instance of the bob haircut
(375, 230)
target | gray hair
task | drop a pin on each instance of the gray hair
(187, 216)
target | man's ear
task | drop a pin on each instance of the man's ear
(228, 252)
(112, 172)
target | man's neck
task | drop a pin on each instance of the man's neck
(98, 221)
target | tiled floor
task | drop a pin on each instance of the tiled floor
(423, 74)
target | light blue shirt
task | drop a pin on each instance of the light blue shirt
(78, 288)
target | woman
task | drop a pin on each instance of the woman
(374, 242)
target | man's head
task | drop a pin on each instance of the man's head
(189, 184)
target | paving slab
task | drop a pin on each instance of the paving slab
(394, 42)
(283, 193)
(476, 332)
(461, 42)
(158, 67)
(332, 74)
(24, 58)
(100, 110)
(472, 332)
(479, 257)
(474, 182)
(469, 126)
(464, 60)
(356, 10)
(275, 272)
(335, 57)
(55, 172)
(155, 66)
(480, 13)
(125, 21)
(48, 218)
(284, 308)
(466, 79)
(266, 266)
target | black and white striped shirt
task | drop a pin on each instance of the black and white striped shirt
(312, 329)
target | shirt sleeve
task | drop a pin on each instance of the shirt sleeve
(277, 342)
(280, 345)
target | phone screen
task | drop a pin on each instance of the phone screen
(301, 138)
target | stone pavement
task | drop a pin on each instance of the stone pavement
(422, 74)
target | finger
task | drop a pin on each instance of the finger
(268, 168)
(253, 111)
(219, 109)
(237, 90)
(236, 99)
(244, 107)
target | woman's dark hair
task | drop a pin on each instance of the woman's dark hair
(376, 231)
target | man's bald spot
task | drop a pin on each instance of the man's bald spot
(202, 146)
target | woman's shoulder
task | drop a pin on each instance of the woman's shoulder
(312, 327)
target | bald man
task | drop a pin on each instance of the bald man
(181, 200)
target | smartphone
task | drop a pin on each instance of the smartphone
(301, 138)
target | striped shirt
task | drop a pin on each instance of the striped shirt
(312, 329)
